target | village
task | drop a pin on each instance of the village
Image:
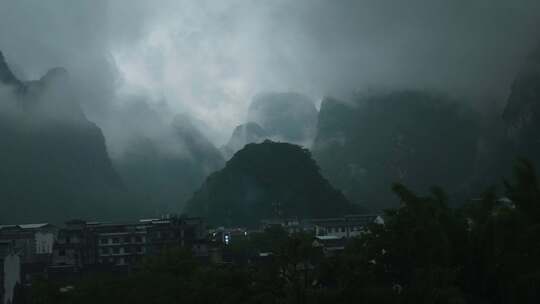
(77, 248)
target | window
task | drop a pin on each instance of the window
(62, 252)
(116, 250)
(127, 249)
(68, 240)
(342, 229)
(127, 239)
(139, 249)
(138, 239)
(104, 250)
(103, 241)
(116, 240)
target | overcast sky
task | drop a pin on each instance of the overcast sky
(207, 58)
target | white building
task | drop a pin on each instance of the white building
(345, 227)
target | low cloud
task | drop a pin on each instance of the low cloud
(208, 58)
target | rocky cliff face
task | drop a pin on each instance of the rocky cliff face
(522, 113)
(411, 137)
(53, 161)
(6, 76)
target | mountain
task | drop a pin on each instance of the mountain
(413, 137)
(163, 171)
(242, 135)
(54, 163)
(289, 117)
(265, 180)
(6, 76)
(514, 134)
(522, 112)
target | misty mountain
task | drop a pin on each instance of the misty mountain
(6, 76)
(264, 181)
(514, 133)
(289, 117)
(54, 163)
(163, 175)
(242, 135)
(412, 137)
(522, 112)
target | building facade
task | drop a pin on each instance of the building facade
(25, 252)
(121, 246)
(345, 227)
(80, 246)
